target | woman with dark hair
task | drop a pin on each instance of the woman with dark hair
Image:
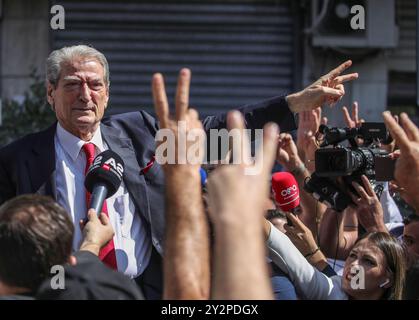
(375, 268)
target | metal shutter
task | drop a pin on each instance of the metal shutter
(402, 62)
(239, 52)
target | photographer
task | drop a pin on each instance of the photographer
(36, 234)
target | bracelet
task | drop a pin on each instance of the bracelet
(312, 253)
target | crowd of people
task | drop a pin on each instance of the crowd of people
(170, 232)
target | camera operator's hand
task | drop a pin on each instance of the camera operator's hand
(287, 154)
(407, 165)
(97, 232)
(328, 89)
(390, 148)
(368, 207)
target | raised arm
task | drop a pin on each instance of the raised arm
(236, 202)
(186, 261)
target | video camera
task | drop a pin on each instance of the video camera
(333, 160)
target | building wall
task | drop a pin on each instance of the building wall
(371, 90)
(24, 43)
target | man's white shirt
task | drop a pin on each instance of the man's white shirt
(132, 241)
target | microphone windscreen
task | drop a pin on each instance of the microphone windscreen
(286, 191)
(107, 168)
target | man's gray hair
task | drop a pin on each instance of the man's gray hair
(57, 57)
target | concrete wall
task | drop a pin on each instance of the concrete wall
(370, 90)
(24, 43)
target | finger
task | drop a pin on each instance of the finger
(182, 94)
(289, 229)
(331, 93)
(338, 70)
(240, 147)
(161, 106)
(318, 113)
(340, 87)
(355, 111)
(409, 127)
(91, 215)
(354, 198)
(104, 219)
(324, 121)
(396, 131)
(346, 78)
(361, 191)
(266, 156)
(367, 186)
(81, 224)
(315, 116)
(193, 114)
(346, 116)
(298, 225)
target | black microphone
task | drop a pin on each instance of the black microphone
(104, 178)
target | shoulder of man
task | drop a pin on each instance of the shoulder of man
(91, 279)
(14, 150)
(136, 119)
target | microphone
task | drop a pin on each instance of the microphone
(104, 178)
(286, 192)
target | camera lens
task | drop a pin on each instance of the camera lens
(338, 163)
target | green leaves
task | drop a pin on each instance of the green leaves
(31, 115)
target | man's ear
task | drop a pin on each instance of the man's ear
(72, 260)
(107, 97)
(50, 94)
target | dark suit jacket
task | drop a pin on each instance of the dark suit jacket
(90, 279)
(28, 164)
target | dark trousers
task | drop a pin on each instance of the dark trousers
(151, 280)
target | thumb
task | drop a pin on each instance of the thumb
(104, 219)
(295, 221)
(91, 215)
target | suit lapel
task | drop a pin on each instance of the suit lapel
(133, 180)
(41, 165)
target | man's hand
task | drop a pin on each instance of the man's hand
(236, 207)
(368, 207)
(328, 89)
(185, 124)
(354, 121)
(287, 154)
(234, 194)
(96, 233)
(407, 165)
(308, 121)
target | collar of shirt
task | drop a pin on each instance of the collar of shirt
(72, 144)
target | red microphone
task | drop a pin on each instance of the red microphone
(286, 192)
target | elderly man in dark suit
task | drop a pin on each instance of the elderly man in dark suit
(53, 162)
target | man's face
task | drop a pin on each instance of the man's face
(80, 97)
(411, 239)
